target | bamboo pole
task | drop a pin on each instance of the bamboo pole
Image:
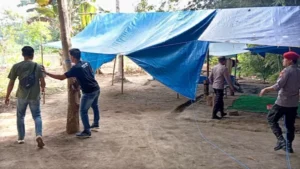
(42, 57)
(122, 86)
(113, 75)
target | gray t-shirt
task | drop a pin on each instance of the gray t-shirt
(22, 70)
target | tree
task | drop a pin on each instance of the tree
(256, 65)
(87, 10)
(211, 4)
(166, 5)
(144, 6)
(73, 107)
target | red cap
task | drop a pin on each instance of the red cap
(291, 55)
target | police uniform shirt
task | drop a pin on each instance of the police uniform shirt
(288, 85)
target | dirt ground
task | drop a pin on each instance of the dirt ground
(138, 131)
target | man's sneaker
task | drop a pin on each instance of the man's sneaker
(94, 127)
(289, 148)
(21, 141)
(40, 142)
(84, 134)
(281, 144)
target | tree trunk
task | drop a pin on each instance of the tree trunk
(73, 105)
(117, 6)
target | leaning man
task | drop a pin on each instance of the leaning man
(83, 73)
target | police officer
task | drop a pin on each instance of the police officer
(288, 85)
(217, 78)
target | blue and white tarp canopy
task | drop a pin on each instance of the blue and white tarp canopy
(165, 44)
(262, 50)
(273, 26)
(226, 49)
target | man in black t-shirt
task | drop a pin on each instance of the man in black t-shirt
(83, 73)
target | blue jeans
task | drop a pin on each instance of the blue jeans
(89, 100)
(35, 109)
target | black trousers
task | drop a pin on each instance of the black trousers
(219, 103)
(275, 115)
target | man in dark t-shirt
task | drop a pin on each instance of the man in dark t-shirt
(83, 73)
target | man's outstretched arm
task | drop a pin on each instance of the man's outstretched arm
(55, 76)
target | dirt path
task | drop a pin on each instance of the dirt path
(138, 131)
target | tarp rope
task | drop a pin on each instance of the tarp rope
(214, 145)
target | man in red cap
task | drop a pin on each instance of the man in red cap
(288, 85)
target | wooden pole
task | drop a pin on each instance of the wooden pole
(122, 86)
(207, 67)
(42, 56)
(235, 70)
(206, 82)
(113, 75)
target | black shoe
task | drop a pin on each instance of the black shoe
(95, 127)
(216, 117)
(281, 144)
(223, 114)
(289, 148)
(84, 134)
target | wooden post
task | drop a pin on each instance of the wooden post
(122, 86)
(42, 56)
(177, 96)
(235, 70)
(206, 82)
(207, 60)
(113, 75)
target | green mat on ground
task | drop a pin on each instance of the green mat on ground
(253, 104)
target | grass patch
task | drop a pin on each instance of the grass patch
(253, 104)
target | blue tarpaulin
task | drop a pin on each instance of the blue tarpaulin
(262, 50)
(165, 44)
(272, 26)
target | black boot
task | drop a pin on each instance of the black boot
(281, 144)
(223, 114)
(216, 117)
(289, 148)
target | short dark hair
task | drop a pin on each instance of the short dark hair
(27, 51)
(295, 61)
(75, 53)
(222, 59)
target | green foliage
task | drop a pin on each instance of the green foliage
(264, 68)
(213, 60)
(34, 34)
(166, 5)
(13, 59)
(87, 12)
(144, 6)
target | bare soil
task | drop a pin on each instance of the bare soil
(138, 131)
